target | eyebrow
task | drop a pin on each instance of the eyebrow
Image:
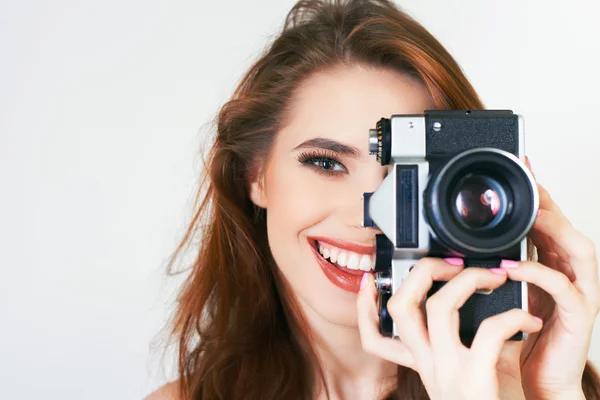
(331, 145)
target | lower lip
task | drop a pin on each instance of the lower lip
(344, 278)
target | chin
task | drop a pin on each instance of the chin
(333, 305)
(328, 300)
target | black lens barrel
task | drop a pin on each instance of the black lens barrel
(521, 195)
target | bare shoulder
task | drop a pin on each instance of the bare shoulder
(167, 392)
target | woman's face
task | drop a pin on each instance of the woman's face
(317, 172)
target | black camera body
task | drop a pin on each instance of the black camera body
(457, 187)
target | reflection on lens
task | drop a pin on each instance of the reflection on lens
(480, 202)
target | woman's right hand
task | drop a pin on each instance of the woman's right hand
(430, 344)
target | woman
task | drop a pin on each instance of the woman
(259, 317)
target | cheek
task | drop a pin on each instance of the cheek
(296, 199)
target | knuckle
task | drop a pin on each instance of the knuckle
(368, 344)
(488, 326)
(519, 313)
(518, 317)
(563, 283)
(368, 347)
(399, 299)
(401, 307)
(398, 307)
(477, 277)
(474, 273)
(434, 305)
(588, 248)
(594, 304)
(425, 263)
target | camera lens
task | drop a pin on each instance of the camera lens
(479, 202)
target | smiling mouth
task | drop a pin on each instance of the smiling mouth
(347, 261)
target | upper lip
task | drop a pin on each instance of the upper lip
(342, 244)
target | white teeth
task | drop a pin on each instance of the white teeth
(343, 259)
(346, 259)
(333, 255)
(353, 261)
(365, 262)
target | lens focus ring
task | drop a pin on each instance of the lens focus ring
(373, 145)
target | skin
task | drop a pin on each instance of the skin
(342, 104)
(564, 293)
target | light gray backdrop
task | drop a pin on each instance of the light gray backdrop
(101, 110)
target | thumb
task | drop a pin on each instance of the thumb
(368, 325)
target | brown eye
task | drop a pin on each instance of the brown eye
(328, 164)
(324, 164)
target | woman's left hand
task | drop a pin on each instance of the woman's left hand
(564, 291)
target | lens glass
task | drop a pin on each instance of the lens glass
(479, 202)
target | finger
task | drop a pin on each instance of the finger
(539, 301)
(571, 246)
(546, 201)
(405, 305)
(442, 308)
(541, 241)
(552, 260)
(368, 325)
(567, 240)
(548, 258)
(494, 331)
(555, 283)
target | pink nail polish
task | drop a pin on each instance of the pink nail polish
(498, 271)
(364, 280)
(509, 264)
(539, 212)
(454, 261)
(538, 319)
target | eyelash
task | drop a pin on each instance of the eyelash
(309, 158)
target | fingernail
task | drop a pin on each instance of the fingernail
(539, 212)
(538, 319)
(364, 280)
(509, 264)
(454, 261)
(498, 271)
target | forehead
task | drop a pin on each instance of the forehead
(344, 102)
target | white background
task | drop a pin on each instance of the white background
(103, 106)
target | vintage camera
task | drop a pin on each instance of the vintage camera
(457, 187)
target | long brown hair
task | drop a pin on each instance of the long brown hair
(238, 328)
